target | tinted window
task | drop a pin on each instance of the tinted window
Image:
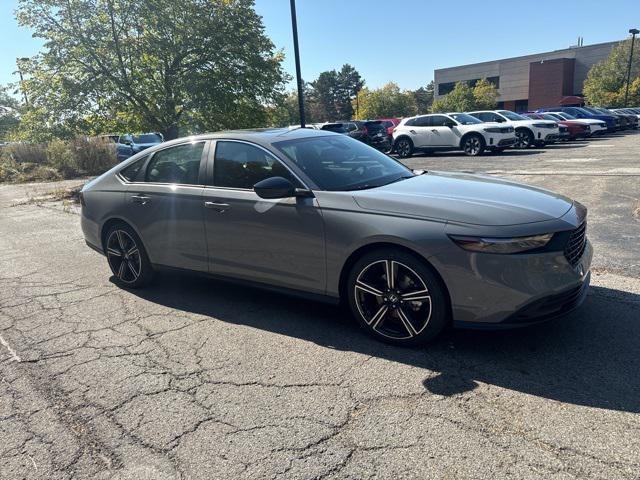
(147, 138)
(342, 163)
(512, 115)
(375, 127)
(438, 121)
(335, 127)
(486, 116)
(410, 123)
(180, 164)
(422, 122)
(240, 165)
(130, 172)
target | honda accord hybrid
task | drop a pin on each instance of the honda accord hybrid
(322, 215)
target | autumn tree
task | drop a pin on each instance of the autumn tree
(606, 81)
(154, 65)
(386, 101)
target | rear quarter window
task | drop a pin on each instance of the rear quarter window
(131, 173)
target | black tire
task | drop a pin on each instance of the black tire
(540, 144)
(403, 147)
(127, 257)
(524, 138)
(473, 145)
(412, 312)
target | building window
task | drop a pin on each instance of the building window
(521, 105)
(444, 88)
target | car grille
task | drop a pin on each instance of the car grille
(576, 244)
(549, 307)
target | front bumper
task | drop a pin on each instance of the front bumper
(505, 291)
(552, 137)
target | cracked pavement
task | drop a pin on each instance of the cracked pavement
(194, 378)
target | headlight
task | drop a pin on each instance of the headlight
(501, 245)
(493, 130)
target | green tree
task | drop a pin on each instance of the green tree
(157, 65)
(606, 81)
(322, 96)
(387, 101)
(460, 99)
(349, 85)
(424, 97)
(485, 95)
(9, 114)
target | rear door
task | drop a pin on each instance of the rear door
(165, 206)
(418, 130)
(279, 242)
(441, 135)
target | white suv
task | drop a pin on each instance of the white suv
(450, 131)
(529, 132)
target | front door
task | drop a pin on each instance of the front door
(165, 206)
(279, 242)
(442, 135)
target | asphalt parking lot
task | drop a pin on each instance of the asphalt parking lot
(193, 378)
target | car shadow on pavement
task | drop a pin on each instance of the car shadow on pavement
(591, 357)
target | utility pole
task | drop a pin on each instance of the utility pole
(296, 51)
(633, 32)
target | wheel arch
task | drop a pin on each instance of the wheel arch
(364, 249)
(469, 134)
(111, 222)
(402, 136)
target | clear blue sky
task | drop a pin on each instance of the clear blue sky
(404, 40)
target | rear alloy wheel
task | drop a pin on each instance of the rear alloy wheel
(524, 138)
(127, 257)
(473, 146)
(396, 298)
(404, 148)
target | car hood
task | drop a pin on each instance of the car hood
(465, 198)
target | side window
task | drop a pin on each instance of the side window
(131, 172)
(423, 121)
(486, 116)
(240, 165)
(438, 121)
(179, 164)
(410, 123)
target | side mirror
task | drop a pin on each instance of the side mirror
(274, 187)
(450, 124)
(498, 120)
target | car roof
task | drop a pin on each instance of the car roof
(260, 136)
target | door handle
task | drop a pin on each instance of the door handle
(218, 207)
(412, 131)
(141, 199)
(434, 130)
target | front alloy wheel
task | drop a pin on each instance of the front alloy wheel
(127, 258)
(524, 139)
(397, 298)
(404, 148)
(473, 146)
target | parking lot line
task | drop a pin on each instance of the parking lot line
(12, 352)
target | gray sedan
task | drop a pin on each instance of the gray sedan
(324, 216)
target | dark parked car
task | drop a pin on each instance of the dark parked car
(328, 217)
(129, 145)
(371, 132)
(629, 121)
(613, 123)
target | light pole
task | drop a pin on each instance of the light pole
(296, 52)
(24, 94)
(633, 32)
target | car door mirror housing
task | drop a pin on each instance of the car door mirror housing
(450, 124)
(274, 187)
(499, 120)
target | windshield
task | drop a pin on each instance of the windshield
(546, 116)
(147, 138)
(566, 116)
(342, 163)
(512, 115)
(464, 119)
(591, 111)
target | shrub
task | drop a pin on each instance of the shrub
(93, 156)
(62, 159)
(27, 153)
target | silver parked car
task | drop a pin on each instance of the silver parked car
(326, 216)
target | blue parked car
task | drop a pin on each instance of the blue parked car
(129, 145)
(613, 123)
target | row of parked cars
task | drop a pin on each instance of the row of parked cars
(129, 144)
(487, 130)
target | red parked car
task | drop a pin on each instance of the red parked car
(573, 129)
(390, 124)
